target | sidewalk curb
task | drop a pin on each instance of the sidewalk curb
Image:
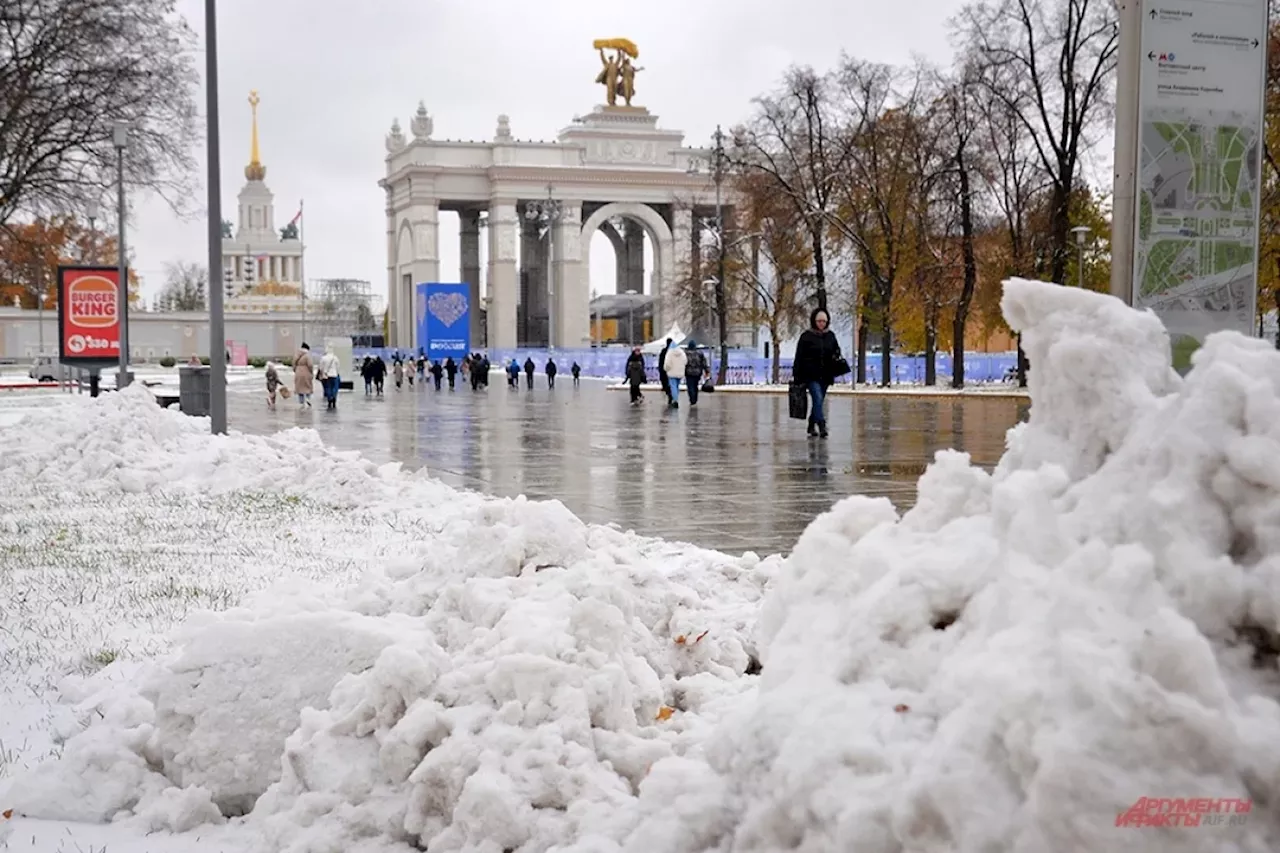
(845, 391)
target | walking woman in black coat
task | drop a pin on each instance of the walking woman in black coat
(814, 367)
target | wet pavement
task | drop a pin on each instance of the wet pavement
(734, 473)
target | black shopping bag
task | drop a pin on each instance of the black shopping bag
(798, 397)
(707, 387)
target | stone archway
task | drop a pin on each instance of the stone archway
(660, 237)
(401, 296)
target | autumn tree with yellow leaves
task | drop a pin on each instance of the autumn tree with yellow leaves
(31, 252)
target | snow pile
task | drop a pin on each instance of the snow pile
(1024, 655)
(1008, 666)
(544, 664)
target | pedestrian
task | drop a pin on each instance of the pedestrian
(576, 370)
(303, 376)
(635, 373)
(466, 368)
(330, 367)
(422, 368)
(695, 370)
(485, 366)
(273, 383)
(474, 374)
(529, 367)
(816, 366)
(379, 375)
(437, 372)
(409, 372)
(366, 373)
(450, 371)
(676, 362)
(513, 374)
(397, 368)
(662, 370)
(551, 372)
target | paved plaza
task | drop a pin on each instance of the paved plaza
(734, 473)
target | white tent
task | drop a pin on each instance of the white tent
(655, 347)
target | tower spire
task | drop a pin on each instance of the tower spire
(255, 171)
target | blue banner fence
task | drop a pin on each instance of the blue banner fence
(744, 368)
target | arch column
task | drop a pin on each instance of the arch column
(469, 256)
(673, 307)
(503, 276)
(571, 300)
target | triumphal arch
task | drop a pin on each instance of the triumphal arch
(538, 204)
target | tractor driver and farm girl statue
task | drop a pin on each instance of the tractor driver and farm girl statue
(619, 72)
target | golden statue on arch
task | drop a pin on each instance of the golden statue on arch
(618, 74)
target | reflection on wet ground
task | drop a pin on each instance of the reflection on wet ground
(735, 473)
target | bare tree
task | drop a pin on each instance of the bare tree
(69, 69)
(880, 108)
(791, 139)
(1054, 61)
(959, 134)
(777, 296)
(1013, 174)
(185, 287)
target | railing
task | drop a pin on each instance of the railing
(744, 368)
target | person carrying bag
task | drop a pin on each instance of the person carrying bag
(817, 365)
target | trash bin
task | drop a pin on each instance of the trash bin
(193, 390)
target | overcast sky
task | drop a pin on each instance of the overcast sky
(333, 75)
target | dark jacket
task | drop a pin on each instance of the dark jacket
(662, 360)
(635, 369)
(378, 369)
(695, 366)
(436, 370)
(577, 369)
(450, 368)
(816, 353)
(529, 366)
(551, 368)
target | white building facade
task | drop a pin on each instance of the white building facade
(265, 268)
(613, 170)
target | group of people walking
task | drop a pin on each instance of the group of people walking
(305, 373)
(818, 363)
(550, 368)
(674, 364)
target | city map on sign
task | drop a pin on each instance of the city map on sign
(1196, 211)
(1199, 160)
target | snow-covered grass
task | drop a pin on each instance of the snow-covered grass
(1008, 666)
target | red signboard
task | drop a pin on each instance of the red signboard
(88, 315)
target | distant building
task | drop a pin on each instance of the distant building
(262, 267)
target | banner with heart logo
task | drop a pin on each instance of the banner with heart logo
(443, 314)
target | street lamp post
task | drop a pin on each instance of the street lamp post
(631, 317)
(547, 213)
(719, 166)
(120, 139)
(217, 332)
(91, 213)
(41, 297)
(1082, 234)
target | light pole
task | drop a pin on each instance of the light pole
(547, 213)
(631, 317)
(217, 332)
(719, 166)
(91, 213)
(1082, 234)
(120, 139)
(42, 296)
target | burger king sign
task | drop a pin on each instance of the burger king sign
(89, 314)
